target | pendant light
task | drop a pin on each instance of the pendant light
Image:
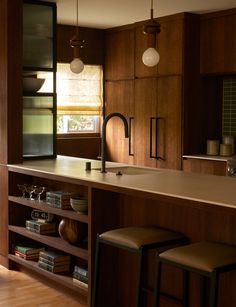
(150, 56)
(76, 65)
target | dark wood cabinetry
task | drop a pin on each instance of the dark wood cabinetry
(119, 58)
(218, 42)
(212, 167)
(163, 96)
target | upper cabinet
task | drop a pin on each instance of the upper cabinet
(119, 60)
(39, 67)
(218, 42)
(169, 44)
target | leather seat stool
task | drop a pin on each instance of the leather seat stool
(208, 259)
(137, 240)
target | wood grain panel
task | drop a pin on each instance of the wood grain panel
(218, 43)
(119, 63)
(119, 98)
(205, 166)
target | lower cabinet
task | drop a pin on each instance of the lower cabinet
(205, 166)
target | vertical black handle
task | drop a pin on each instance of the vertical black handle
(130, 135)
(151, 155)
(156, 156)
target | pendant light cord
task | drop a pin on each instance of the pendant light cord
(77, 17)
(151, 9)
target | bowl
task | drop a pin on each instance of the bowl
(31, 84)
(79, 204)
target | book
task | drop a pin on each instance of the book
(54, 256)
(40, 225)
(81, 270)
(61, 195)
(80, 283)
(28, 249)
(42, 259)
(27, 257)
(41, 232)
(52, 268)
(81, 277)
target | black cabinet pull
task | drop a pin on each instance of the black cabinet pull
(156, 156)
(130, 135)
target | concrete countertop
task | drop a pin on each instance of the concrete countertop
(216, 190)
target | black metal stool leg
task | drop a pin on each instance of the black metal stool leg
(96, 268)
(203, 280)
(139, 281)
(158, 283)
(185, 288)
(214, 289)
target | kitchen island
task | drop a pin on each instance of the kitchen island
(200, 206)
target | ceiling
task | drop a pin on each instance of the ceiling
(111, 13)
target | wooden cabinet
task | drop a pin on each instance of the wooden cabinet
(157, 122)
(120, 148)
(169, 44)
(205, 166)
(119, 60)
(218, 42)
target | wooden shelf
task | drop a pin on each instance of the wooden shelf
(45, 207)
(64, 280)
(55, 242)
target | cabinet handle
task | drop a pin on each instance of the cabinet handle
(156, 156)
(130, 135)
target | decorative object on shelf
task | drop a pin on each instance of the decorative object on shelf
(32, 84)
(39, 190)
(213, 147)
(28, 251)
(226, 150)
(231, 167)
(79, 204)
(40, 227)
(69, 230)
(22, 188)
(59, 199)
(54, 262)
(150, 56)
(41, 216)
(228, 139)
(76, 65)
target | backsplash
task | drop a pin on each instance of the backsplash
(229, 107)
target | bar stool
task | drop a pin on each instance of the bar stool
(207, 259)
(137, 240)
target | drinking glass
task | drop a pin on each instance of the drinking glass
(38, 190)
(22, 188)
(30, 191)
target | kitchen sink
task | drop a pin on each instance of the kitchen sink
(129, 170)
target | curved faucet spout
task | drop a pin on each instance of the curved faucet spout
(104, 128)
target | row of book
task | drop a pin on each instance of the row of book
(41, 227)
(52, 261)
(80, 276)
(59, 199)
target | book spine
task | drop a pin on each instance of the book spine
(39, 231)
(63, 262)
(81, 277)
(51, 268)
(53, 259)
(81, 271)
(36, 225)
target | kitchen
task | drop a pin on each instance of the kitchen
(194, 136)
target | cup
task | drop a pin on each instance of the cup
(213, 147)
(228, 139)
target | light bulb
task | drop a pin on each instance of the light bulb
(150, 57)
(76, 66)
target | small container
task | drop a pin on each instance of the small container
(228, 139)
(231, 167)
(213, 147)
(88, 166)
(226, 150)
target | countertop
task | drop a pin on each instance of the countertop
(216, 190)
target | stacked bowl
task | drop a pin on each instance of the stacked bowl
(79, 204)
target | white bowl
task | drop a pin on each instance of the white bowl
(80, 205)
(32, 84)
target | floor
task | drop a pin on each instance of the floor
(18, 289)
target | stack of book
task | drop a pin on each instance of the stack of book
(59, 199)
(80, 276)
(41, 227)
(54, 262)
(28, 251)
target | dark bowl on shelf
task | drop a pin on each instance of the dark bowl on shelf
(32, 85)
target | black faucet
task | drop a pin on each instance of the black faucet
(104, 125)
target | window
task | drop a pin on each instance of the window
(229, 106)
(79, 98)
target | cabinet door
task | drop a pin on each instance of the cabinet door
(145, 109)
(120, 98)
(119, 63)
(169, 99)
(169, 44)
(218, 44)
